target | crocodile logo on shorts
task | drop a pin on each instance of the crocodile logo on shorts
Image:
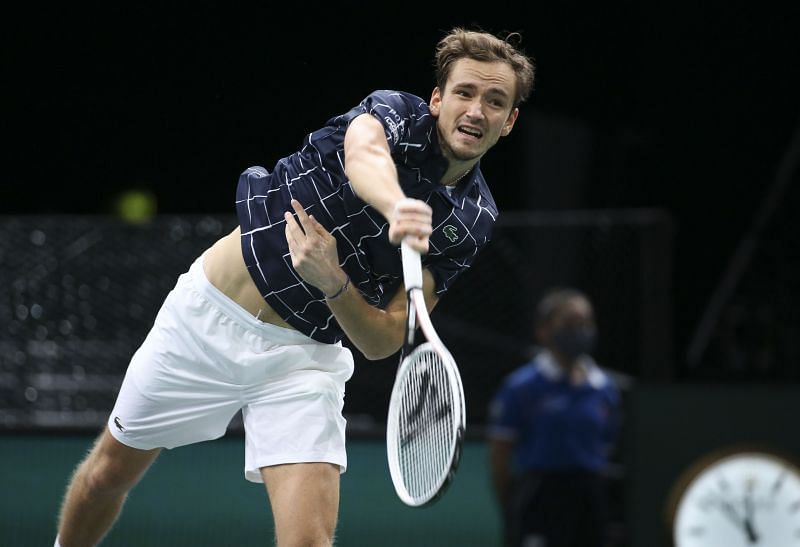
(118, 424)
(449, 232)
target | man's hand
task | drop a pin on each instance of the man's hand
(313, 251)
(411, 220)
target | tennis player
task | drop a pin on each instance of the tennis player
(257, 321)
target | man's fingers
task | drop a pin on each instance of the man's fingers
(419, 244)
(411, 220)
(413, 227)
(302, 216)
(293, 231)
(412, 206)
(417, 237)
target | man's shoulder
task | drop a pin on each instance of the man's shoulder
(395, 99)
(384, 104)
(524, 375)
(405, 95)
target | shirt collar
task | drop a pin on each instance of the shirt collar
(552, 371)
(467, 187)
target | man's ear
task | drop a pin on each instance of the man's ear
(436, 102)
(509, 125)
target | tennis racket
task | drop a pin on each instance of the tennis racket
(426, 421)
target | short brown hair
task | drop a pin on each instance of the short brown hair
(483, 46)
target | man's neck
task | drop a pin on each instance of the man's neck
(453, 176)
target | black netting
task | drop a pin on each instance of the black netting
(78, 295)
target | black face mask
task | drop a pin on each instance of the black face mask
(574, 342)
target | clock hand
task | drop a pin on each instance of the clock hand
(778, 483)
(751, 533)
(748, 519)
(730, 511)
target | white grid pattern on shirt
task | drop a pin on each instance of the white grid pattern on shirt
(335, 197)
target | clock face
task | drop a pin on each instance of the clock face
(746, 499)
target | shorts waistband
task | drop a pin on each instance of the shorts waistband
(280, 335)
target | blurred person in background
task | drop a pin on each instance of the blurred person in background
(553, 423)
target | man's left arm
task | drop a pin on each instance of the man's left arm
(504, 420)
(376, 332)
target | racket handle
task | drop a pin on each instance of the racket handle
(412, 267)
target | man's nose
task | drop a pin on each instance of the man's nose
(475, 110)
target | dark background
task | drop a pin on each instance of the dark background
(683, 108)
(688, 108)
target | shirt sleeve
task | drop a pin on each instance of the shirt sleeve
(400, 114)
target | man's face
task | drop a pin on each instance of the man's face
(475, 108)
(571, 332)
(575, 314)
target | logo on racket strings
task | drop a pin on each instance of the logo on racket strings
(426, 410)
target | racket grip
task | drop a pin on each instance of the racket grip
(412, 267)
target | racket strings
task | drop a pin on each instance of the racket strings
(426, 425)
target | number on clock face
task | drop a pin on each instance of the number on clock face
(746, 499)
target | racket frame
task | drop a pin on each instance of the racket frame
(418, 312)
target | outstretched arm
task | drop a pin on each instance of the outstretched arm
(376, 332)
(369, 165)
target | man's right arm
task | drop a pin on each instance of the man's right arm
(373, 176)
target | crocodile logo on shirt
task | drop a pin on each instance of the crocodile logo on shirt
(449, 232)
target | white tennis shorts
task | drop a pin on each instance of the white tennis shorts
(206, 358)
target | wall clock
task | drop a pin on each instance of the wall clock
(737, 497)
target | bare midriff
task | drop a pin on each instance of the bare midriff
(225, 268)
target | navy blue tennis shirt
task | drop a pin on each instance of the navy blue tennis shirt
(462, 218)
